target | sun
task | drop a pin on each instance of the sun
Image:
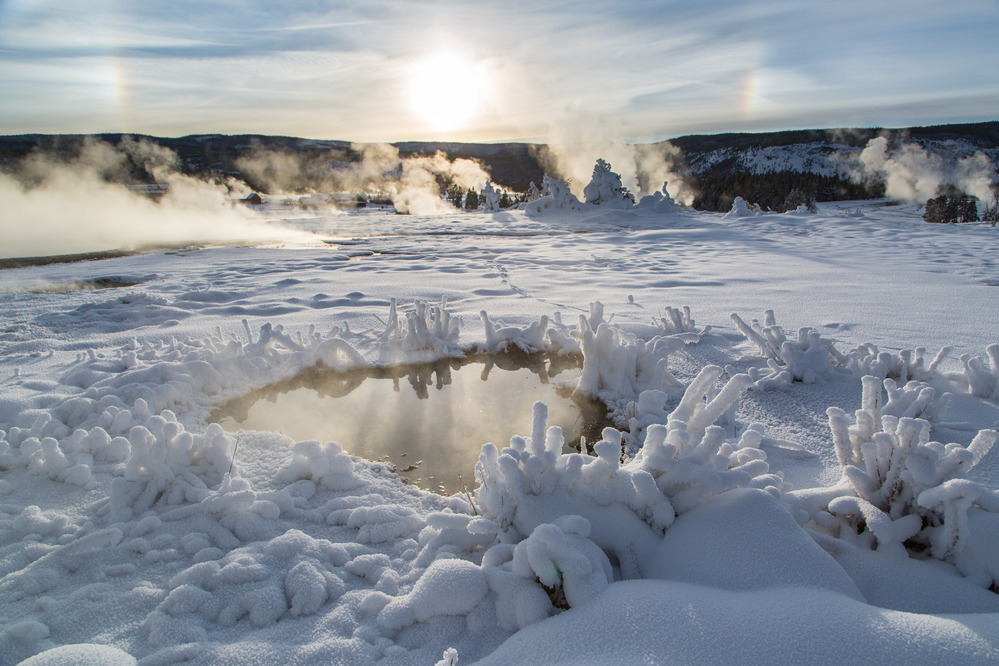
(448, 90)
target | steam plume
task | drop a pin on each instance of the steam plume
(413, 183)
(56, 206)
(914, 175)
(571, 154)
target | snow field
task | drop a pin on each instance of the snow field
(128, 521)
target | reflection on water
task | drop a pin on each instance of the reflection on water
(427, 420)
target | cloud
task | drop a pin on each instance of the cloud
(335, 70)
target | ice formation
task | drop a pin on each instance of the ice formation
(803, 359)
(983, 380)
(618, 365)
(907, 364)
(659, 202)
(680, 465)
(680, 321)
(427, 328)
(532, 338)
(899, 489)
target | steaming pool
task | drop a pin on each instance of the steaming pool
(429, 421)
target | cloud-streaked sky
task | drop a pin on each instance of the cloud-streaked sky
(390, 70)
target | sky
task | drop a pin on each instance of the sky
(454, 70)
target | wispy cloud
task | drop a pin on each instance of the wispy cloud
(337, 69)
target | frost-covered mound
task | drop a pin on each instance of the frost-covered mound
(725, 517)
(684, 623)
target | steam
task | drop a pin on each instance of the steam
(58, 206)
(413, 183)
(914, 175)
(571, 154)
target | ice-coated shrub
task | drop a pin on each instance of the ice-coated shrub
(170, 466)
(450, 656)
(561, 340)
(983, 380)
(899, 489)
(618, 365)
(427, 328)
(692, 459)
(627, 505)
(571, 568)
(803, 359)
(499, 338)
(915, 400)
(446, 587)
(906, 365)
(679, 321)
(292, 574)
(323, 464)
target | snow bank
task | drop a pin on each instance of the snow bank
(683, 623)
(746, 540)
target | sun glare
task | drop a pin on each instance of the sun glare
(448, 90)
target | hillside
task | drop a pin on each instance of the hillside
(761, 167)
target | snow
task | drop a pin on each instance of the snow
(727, 517)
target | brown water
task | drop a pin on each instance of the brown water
(428, 421)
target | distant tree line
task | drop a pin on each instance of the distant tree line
(778, 191)
(951, 205)
(472, 199)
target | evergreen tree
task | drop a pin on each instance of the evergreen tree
(796, 198)
(951, 205)
(454, 195)
(991, 212)
(472, 200)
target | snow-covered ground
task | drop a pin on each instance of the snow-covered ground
(127, 521)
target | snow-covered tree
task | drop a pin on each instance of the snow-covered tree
(556, 195)
(490, 198)
(605, 188)
(533, 193)
(742, 209)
